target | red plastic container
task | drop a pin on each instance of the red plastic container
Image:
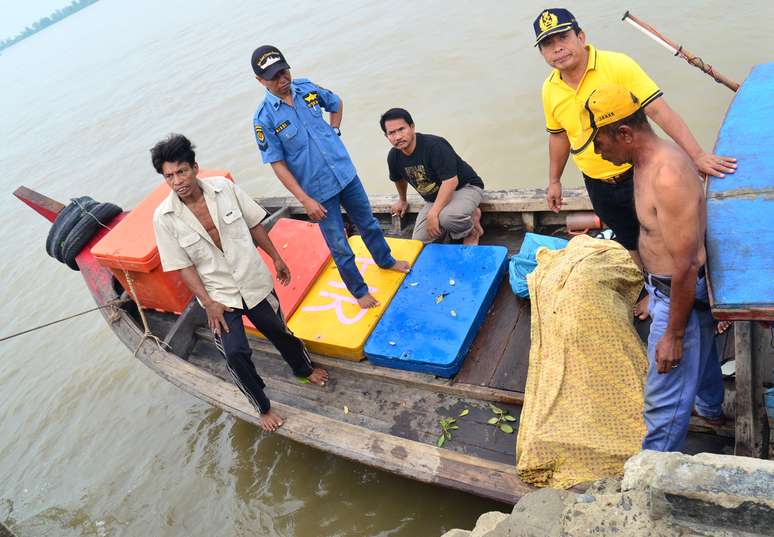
(302, 247)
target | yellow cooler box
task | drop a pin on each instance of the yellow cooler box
(329, 319)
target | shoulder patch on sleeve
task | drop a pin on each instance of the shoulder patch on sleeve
(261, 137)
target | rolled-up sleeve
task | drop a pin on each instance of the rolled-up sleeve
(251, 211)
(328, 100)
(171, 254)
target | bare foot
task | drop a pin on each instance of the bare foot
(318, 376)
(472, 238)
(477, 222)
(475, 234)
(400, 266)
(368, 301)
(271, 421)
(722, 326)
(641, 308)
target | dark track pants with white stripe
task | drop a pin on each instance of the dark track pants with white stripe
(267, 317)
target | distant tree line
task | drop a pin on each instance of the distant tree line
(45, 22)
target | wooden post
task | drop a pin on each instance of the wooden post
(529, 220)
(397, 225)
(751, 420)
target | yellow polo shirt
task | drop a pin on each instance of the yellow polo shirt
(562, 104)
(232, 274)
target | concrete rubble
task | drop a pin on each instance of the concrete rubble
(660, 495)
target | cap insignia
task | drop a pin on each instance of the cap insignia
(547, 21)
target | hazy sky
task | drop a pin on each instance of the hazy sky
(17, 14)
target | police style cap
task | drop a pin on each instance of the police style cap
(267, 61)
(606, 105)
(552, 21)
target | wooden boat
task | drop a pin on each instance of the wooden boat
(392, 417)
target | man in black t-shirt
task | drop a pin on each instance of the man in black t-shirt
(452, 189)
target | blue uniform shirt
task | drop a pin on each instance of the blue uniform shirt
(301, 137)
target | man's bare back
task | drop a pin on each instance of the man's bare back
(666, 177)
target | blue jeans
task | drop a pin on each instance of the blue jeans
(354, 199)
(670, 397)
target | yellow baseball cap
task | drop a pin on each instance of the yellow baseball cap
(606, 105)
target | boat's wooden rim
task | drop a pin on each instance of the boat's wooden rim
(407, 458)
(434, 384)
(521, 200)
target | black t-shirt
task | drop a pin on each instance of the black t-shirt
(432, 162)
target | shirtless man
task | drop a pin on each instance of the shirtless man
(206, 230)
(671, 208)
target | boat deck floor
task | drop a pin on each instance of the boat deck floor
(409, 405)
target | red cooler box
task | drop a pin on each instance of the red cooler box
(131, 246)
(302, 246)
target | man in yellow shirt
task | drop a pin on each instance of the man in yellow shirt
(579, 69)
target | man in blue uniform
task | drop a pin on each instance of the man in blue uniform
(308, 157)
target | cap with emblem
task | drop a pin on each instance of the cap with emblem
(267, 61)
(552, 21)
(606, 105)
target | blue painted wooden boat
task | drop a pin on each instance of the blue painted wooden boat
(740, 207)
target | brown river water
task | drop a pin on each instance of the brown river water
(92, 442)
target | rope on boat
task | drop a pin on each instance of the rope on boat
(147, 333)
(114, 303)
(75, 226)
(87, 208)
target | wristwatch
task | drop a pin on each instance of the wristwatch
(337, 131)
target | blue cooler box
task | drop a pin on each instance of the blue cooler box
(438, 309)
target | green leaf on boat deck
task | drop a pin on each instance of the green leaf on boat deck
(496, 410)
(509, 417)
(465, 412)
(448, 435)
(441, 440)
(346, 409)
(440, 297)
(493, 421)
(454, 427)
(506, 428)
(451, 420)
(303, 380)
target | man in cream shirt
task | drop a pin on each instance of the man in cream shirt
(207, 230)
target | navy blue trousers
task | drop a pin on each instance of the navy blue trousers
(267, 317)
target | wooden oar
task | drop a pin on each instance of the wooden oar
(678, 50)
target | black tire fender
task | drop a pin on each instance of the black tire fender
(84, 230)
(64, 223)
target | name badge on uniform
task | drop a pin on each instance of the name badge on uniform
(282, 126)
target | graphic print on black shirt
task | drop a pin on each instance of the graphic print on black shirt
(432, 162)
(417, 176)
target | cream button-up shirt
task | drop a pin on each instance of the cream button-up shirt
(230, 275)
